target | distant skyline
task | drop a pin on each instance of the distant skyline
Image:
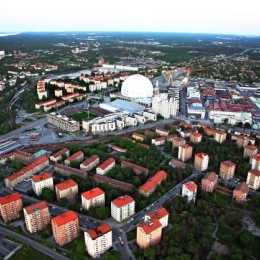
(201, 16)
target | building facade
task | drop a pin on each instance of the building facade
(240, 193)
(90, 163)
(42, 181)
(227, 170)
(161, 214)
(253, 179)
(250, 151)
(67, 189)
(107, 165)
(185, 152)
(255, 162)
(93, 198)
(189, 189)
(209, 182)
(201, 161)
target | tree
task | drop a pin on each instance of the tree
(80, 247)
(62, 202)
(47, 194)
(75, 164)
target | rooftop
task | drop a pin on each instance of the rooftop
(35, 207)
(150, 226)
(211, 176)
(191, 186)
(159, 213)
(92, 193)
(41, 177)
(66, 185)
(255, 172)
(228, 164)
(61, 152)
(243, 187)
(9, 198)
(65, 218)
(122, 201)
(106, 163)
(90, 160)
(75, 156)
(99, 231)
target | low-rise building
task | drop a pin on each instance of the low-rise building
(138, 137)
(93, 198)
(78, 156)
(119, 149)
(185, 152)
(255, 162)
(67, 171)
(177, 164)
(253, 179)
(107, 165)
(58, 156)
(240, 192)
(10, 206)
(37, 216)
(161, 131)
(209, 182)
(189, 189)
(122, 208)
(159, 213)
(42, 181)
(149, 187)
(136, 168)
(90, 163)
(149, 233)
(250, 151)
(67, 189)
(65, 227)
(201, 161)
(227, 170)
(178, 141)
(98, 240)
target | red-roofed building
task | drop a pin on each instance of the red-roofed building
(149, 187)
(67, 171)
(138, 136)
(37, 216)
(178, 141)
(78, 156)
(177, 164)
(240, 192)
(250, 151)
(10, 206)
(122, 208)
(161, 131)
(255, 162)
(159, 140)
(42, 181)
(160, 213)
(227, 170)
(209, 182)
(253, 179)
(90, 163)
(136, 168)
(23, 156)
(185, 152)
(149, 233)
(67, 189)
(242, 141)
(98, 240)
(58, 156)
(195, 137)
(107, 165)
(65, 227)
(93, 198)
(201, 161)
(119, 149)
(189, 189)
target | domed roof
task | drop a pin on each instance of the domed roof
(137, 86)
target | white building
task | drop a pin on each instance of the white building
(42, 181)
(122, 208)
(161, 214)
(107, 165)
(98, 240)
(189, 189)
(165, 106)
(93, 198)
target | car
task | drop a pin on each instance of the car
(121, 241)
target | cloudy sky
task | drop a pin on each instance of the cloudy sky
(202, 16)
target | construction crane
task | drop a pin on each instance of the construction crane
(167, 74)
(189, 71)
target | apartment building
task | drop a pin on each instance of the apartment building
(149, 233)
(160, 214)
(37, 216)
(65, 227)
(107, 165)
(93, 198)
(10, 206)
(98, 240)
(136, 168)
(119, 149)
(185, 152)
(209, 182)
(250, 151)
(149, 187)
(67, 171)
(220, 136)
(253, 179)
(255, 162)
(122, 208)
(78, 157)
(201, 161)
(189, 189)
(90, 163)
(59, 155)
(243, 141)
(161, 131)
(227, 170)
(240, 192)
(42, 181)
(195, 137)
(178, 141)
(24, 157)
(138, 137)
(67, 189)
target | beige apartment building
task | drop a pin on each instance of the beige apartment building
(250, 151)
(90, 163)
(185, 152)
(93, 198)
(253, 179)
(201, 161)
(178, 141)
(67, 189)
(227, 170)
(58, 156)
(195, 137)
(107, 165)
(37, 216)
(78, 157)
(255, 162)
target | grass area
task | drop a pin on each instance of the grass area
(220, 198)
(83, 115)
(223, 231)
(29, 253)
(73, 244)
(131, 235)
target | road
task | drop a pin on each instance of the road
(35, 245)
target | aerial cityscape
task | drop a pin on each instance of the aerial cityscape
(129, 137)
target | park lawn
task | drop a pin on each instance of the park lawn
(219, 198)
(28, 253)
(223, 231)
(83, 115)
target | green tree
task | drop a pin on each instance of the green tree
(47, 194)
(80, 247)
(62, 202)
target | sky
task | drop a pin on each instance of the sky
(195, 16)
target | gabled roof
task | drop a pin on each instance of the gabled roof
(35, 207)
(65, 218)
(41, 177)
(61, 152)
(122, 201)
(66, 185)
(75, 156)
(152, 182)
(90, 160)
(92, 193)
(99, 231)
(9, 198)
(106, 163)
(191, 186)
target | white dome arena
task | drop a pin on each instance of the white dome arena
(137, 86)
